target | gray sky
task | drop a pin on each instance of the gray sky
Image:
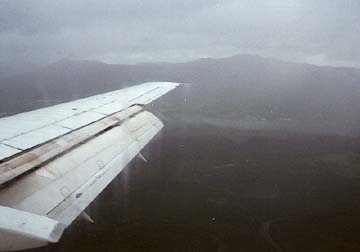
(129, 31)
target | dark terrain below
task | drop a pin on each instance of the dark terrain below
(211, 188)
(232, 173)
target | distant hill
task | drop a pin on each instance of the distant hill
(243, 85)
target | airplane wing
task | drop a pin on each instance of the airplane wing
(55, 161)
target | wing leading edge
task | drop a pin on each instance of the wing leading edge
(46, 186)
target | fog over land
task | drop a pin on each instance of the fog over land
(260, 91)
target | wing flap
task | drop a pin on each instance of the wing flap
(86, 170)
(77, 202)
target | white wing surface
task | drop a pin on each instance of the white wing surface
(55, 161)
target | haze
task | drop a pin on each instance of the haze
(34, 33)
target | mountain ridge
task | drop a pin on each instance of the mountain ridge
(238, 86)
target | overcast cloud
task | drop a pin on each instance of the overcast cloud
(129, 31)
